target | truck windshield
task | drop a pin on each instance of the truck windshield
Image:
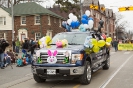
(72, 39)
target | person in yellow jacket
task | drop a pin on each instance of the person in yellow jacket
(17, 43)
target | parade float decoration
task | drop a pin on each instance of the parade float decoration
(52, 57)
(61, 43)
(45, 41)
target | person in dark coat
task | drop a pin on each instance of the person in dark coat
(11, 54)
(3, 45)
(115, 45)
(13, 45)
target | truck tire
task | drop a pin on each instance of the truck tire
(86, 77)
(38, 79)
(107, 63)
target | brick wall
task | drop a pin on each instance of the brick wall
(32, 29)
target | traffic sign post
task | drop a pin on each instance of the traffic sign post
(94, 7)
(126, 8)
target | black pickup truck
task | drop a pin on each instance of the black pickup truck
(79, 64)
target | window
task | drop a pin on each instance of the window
(37, 36)
(59, 22)
(54, 20)
(2, 20)
(49, 20)
(37, 19)
(23, 20)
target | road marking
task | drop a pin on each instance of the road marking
(127, 53)
(76, 86)
(106, 82)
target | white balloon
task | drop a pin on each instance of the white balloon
(74, 18)
(69, 21)
(90, 23)
(86, 26)
(71, 15)
(87, 12)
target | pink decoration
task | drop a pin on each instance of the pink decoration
(59, 44)
(52, 57)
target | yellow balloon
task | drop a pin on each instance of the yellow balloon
(108, 44)
(109, 39)
(95, 49)
(64, 42)
(101, 43)
(39, 42)
(48, 40)
(94, 41)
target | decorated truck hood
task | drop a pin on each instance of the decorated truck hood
(73, 48)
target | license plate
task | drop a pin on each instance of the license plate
(51, 71)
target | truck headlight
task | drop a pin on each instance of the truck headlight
(34, 58)
(76, 57)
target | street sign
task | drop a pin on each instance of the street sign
(94, 7)
(126, 8)
(102, 8)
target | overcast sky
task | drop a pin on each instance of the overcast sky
(114, 4)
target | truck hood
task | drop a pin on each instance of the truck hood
(69, 47)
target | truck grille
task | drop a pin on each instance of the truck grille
(60, 57)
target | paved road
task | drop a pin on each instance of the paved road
(118, 76)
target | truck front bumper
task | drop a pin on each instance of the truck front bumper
(58, 70)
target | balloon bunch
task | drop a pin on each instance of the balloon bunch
(92, 43)
(108, 41)
(45, 41)
(87, 22)
(73, 21)
(61, 43)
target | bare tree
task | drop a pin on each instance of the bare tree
(120, 24)
(7, 3)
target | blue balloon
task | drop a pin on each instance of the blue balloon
(73, 25)
(85, 16)
(84, 21)
(77, 24)
(90, 18)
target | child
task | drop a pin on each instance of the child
(24, 61)
(7, 59)
(19, 61)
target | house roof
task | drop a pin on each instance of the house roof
(31, 8)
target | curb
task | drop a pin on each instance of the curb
(16, 82)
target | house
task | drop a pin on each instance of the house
(103, 13)
(34, 21)
(5, 24)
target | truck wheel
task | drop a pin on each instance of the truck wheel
(107, 63)
(38, 79)
(86, 77)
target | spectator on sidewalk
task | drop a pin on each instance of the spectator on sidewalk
(115, 45)
(25, 45)
(32, 47)
(13, 45)
(17, 43)
(7, 59)
(12, 55)
(3, 45)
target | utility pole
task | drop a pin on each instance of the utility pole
(12, 21)
(81, 12)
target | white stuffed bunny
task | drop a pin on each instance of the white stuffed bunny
(52, 57)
